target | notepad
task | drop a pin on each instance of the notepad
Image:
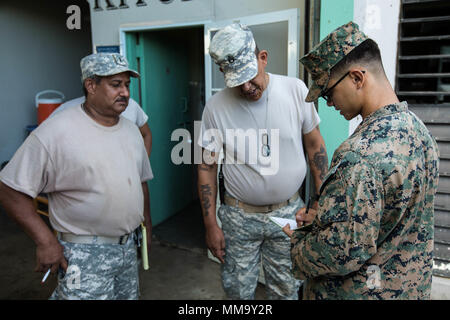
(282, 222)
(144, 252)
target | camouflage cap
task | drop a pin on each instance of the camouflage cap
(104, 64)
(323, 57)
(233, 49)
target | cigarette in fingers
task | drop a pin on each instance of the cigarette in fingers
(45, 276)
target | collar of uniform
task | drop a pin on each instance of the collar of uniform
(385, 111)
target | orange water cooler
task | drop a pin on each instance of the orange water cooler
(45, 106)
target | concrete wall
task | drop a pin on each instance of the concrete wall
(38, 52)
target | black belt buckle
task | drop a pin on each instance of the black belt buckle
(138, 236)
(221, 186)
(123, 239)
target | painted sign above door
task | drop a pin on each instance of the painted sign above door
(108, 49)
(111, 5)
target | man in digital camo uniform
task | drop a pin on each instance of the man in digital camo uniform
(372, 235)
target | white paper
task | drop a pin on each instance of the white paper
(282, 222)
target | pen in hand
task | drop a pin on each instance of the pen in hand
(308, 205)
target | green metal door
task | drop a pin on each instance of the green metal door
(163, 94)
(334, 127)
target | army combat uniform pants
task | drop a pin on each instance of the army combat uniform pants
(252, 239)
(99, 272)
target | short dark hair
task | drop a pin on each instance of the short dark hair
(367, 53)
(257, 51)
(97, 80)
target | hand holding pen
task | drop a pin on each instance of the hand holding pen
(304, 216)
(307, 214)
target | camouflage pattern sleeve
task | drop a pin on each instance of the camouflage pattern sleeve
(345, 231)
(373, 234)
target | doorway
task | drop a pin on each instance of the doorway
(170, 90)
(177, 77)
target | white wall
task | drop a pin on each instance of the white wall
(228, 9)
(38, 52)
(379, 20)
(106, 23)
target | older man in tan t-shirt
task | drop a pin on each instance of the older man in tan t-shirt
(93, 165)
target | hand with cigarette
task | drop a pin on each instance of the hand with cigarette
(49, 258)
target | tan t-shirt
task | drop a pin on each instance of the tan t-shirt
(91, 173)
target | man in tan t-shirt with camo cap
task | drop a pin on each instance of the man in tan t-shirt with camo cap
(263, 180)
(93, 165)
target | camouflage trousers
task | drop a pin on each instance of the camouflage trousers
(252, 239)
(99, 272)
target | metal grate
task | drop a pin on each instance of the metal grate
(423, 79)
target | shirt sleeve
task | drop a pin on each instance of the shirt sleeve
(146, 168)
(141, 116)
(30, 170)
(147, 172)
(310, 116)
(344, 234)
(210, 136)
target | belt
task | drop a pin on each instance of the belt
(73, 238)
(230, 201)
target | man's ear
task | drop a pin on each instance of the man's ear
(263, 57)
(358, 77)
(90, 85)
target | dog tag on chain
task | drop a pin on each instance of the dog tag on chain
(265, 145)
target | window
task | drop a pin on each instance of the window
(423, 79)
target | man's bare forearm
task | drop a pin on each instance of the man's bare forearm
(147, 136)
(319, 166)
(317, 156)
(147, 215)
(21, 209)
(207, 190)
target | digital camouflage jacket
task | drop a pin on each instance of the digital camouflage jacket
(372, 237)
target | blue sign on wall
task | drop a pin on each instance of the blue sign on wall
(108, 49)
